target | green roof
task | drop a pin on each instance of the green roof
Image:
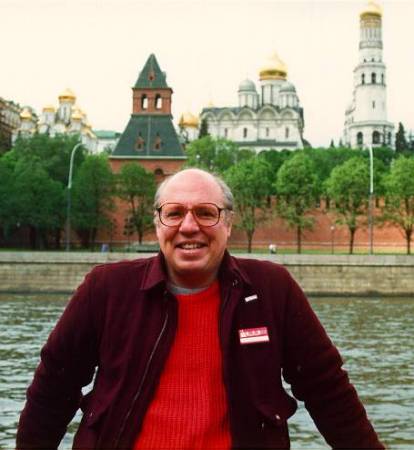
(106, 134)
(151, 75)
(142, 134)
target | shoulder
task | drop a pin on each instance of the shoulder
(261, 269)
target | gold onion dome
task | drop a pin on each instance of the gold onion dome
(371, 9)
(67, 94)
(49, 108)
(273, 69)
(188, 120)
(76, 115)
(25, 114)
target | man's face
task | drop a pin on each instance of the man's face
(193, 253)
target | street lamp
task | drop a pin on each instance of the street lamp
(371, 198)
(332, 239)
(72, 156)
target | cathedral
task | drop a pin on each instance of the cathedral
(67, 118)
(269, 119)
(366, 121)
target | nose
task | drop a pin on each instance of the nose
(189, 224)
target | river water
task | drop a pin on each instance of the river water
(374, 335)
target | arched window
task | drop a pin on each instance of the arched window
(363, 78)
(373, 77)
(382, 78)
(158, 142)
(376, 137)
(226, 132)
(389, 138)
(245, 132)
(139, 143)
(267, 132)
(158, 101)
(360, 138)
(144, 101)
(287, 132)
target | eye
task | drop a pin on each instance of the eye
(206, 212)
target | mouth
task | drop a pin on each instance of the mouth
(191, 245)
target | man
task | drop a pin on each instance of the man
(190, 346)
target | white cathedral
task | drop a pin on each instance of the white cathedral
(366, 123)
(67, 118)
(269, 119)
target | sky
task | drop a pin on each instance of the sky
(206, 47)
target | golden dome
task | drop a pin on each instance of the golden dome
(76, 115)
(189, 120)
(25, 114)
(273, 69)
(49, 108)
(67, 94)
(371, 9)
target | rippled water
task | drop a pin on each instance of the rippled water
(375, 337)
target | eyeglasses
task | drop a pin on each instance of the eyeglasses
(205, 214)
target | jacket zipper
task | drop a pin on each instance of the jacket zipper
(138, 393)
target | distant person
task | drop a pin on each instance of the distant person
(190, 347)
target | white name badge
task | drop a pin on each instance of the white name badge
(253, 335)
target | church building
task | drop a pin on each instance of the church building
(269, 117)
(366, 121)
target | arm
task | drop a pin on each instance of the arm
(68, 360)
(313, 367)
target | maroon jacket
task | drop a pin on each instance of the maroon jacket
(122, 320)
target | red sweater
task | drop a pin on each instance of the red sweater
(189, 409)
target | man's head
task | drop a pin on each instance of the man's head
(194, 248)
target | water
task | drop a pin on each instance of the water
(375, 337)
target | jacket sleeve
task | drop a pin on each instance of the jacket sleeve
(68, 361)
(313, 367)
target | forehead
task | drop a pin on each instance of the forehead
(191, 188)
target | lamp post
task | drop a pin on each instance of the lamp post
(72, 156)
(371, 198)
(332, 239)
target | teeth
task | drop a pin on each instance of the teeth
(190, 246)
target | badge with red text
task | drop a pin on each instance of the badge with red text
(253, 335)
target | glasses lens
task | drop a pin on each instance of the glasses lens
(172, 214)
(206, 214)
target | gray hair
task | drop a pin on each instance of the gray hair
(228, 198)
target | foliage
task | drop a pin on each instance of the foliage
(348, 187)
(297, 187)
(93, 190)
(215, 155)
(401, 143)
(52, 152)
(275, 159)
(137, 187)
(203, 129)
(399, 205)
(250, 181)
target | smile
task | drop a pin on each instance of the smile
(190, 246)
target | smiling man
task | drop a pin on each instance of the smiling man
(190, 346)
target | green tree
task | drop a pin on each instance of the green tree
(137, 187)
(348, 187)
(93, 191)
(297, 188)
(203, 129)
(38, 201)
(250, 181)
(401, 144)
(399, 204)
(6, 191)
(216, 155)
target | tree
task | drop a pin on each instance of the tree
(93, 191)
(399, 203)
(38, 201)
(137, 187)
(216, 155)
(203, 129)
(348, 187)
(297, 192)
(401, 144)
(6, 190)
(250, 181)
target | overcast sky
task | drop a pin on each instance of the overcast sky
(206, 47)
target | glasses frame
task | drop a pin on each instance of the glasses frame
(191, 210)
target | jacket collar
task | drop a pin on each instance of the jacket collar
(156, 273)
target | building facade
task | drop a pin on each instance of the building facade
(67, 118)
(269, 117)
(9, 122)
(366, 121)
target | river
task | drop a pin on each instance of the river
(374, 335)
